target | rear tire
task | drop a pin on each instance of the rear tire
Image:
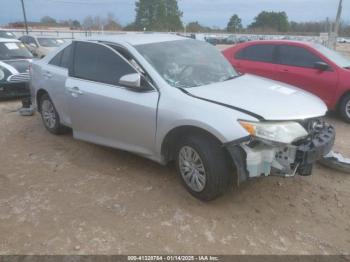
(344, 108)
(203, 166)
(50, 117)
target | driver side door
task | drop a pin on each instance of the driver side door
(103, 111)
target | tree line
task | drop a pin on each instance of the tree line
(166, 16)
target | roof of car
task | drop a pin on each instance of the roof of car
(279, 42)
(138, 38)
(2, 40)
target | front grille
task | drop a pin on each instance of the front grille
(19, 78)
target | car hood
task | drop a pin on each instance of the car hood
(263, 97)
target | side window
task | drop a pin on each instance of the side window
(98, 63)
(62, 59)
(66, 56)
(260, 53)
(296, 56)
(56, 60)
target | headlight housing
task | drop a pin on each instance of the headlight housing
(281, 132)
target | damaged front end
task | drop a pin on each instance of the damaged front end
(287, 153)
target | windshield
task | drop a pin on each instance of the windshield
(13, 50)
(50, 42)
(187, 63)
(336, 57)
(5, 34)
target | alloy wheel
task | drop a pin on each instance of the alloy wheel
(48, 113)
(192, 168)
(347, 109)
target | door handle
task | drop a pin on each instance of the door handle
(284, 70)
(48, 74)
(75, 91)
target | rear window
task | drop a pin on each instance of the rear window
(260, 53)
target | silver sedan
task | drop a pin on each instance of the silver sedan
(169, 98)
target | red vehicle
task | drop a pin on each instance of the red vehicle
(309, 66)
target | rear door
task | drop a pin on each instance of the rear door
(101, 110)
(296, 66)
(55, 74)
(256, 59)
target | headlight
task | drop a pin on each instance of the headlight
(282, 132)
(2, 74)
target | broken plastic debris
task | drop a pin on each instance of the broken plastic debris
(336, 161)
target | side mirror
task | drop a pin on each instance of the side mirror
(322, 66)
(131, 80)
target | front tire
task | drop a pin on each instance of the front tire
(203, 166)
(50, 117)
(344, 108)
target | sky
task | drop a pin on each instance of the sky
(207, 12)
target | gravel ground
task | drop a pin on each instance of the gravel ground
(63, 196)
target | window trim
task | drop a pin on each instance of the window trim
(71, 71)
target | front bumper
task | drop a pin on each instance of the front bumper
(14, 90)
(254, 158)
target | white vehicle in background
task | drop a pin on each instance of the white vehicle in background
(40, 46)
(343, 40)
(7, 34)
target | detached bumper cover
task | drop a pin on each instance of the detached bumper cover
(314, 148)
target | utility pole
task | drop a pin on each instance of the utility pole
(24, 16)
(337, 23)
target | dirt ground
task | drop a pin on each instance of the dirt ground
(63, 196)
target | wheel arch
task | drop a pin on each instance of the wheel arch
(170, 140)
(346, 93)
(174, 135)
